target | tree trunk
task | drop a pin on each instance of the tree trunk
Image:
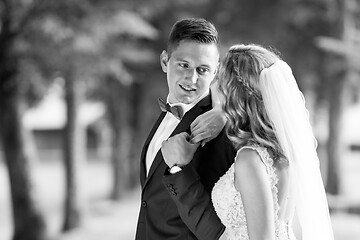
(119, 112)
(334, 145)
(74, 147)
(120, 160)
(336, 101)
(28, 221)
(137, 141)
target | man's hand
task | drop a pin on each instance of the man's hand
(207, 126)
(178, 150)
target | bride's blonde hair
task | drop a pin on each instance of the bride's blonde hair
(248, 123)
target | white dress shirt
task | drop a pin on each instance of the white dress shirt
(166, 127)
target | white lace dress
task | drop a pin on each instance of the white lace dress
(229, 207)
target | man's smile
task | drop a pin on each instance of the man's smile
(187, 88)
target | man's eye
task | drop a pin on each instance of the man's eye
(202, 70)
(183, 65)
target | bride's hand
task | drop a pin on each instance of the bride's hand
(207, 126)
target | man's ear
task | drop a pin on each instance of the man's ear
(164, 60)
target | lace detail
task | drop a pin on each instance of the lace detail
(230, 209)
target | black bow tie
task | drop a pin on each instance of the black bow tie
(175, 110)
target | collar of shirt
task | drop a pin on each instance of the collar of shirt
(187, 107)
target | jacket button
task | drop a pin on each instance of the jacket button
(144, 204)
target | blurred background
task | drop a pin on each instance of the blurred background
(79, 82)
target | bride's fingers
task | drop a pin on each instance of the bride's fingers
(200, 137)
(193, 145)
(194, 126)
(197, 131)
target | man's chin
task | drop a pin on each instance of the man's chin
(188, 100)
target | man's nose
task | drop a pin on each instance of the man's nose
(193, 75)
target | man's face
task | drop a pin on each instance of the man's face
(190, 69)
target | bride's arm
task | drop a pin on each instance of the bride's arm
(208, 125)
(252, 181)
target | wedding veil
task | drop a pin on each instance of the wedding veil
(286, 109)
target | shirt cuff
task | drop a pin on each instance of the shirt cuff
(181, 180)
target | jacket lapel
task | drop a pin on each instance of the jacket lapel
(183, 126)
(145, 148)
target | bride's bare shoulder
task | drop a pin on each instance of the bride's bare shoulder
(247, 159)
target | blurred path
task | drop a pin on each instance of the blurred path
(103, 219)
(107, 220)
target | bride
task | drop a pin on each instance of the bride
(275, 182)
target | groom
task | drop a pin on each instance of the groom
(175, 198)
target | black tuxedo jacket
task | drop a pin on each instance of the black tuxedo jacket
(179, 206)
